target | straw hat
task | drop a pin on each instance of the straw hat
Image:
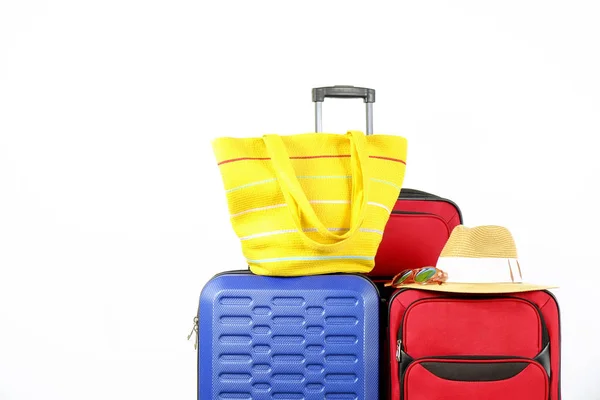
(482, 259)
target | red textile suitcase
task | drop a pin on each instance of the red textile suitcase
(416, 232)
(462, 347)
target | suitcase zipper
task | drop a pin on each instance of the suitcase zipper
(545, 336)
(418, 195)
(195, 327)
(400, 212)
(399, 350)
(195, 333)
(406, 193)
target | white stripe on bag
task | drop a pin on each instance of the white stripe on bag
(258, 209)
(284, 231)
(372, 203)
(377, 231)
(386, 183)
(263, 234)
(314, 258)
(324, 176)
(250, 185)
(247, 185)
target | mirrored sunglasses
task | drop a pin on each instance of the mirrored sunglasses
(424, 276)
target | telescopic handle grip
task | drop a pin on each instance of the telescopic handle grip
(343, 92)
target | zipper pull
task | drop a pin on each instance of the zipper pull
(194, 330)
(399, 350)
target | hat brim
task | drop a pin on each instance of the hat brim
(454, 287)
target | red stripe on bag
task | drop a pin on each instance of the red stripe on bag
(389, 159)
(243, 159)
(308, 157)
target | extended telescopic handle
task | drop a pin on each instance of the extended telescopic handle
(346, 92)
(343, 92)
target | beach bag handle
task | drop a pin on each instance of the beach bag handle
(299, 205)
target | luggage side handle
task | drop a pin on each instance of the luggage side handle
(343, 92)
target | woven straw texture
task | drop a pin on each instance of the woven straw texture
(311, 204)
(488, 241)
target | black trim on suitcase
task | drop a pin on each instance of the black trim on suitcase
(400, 212)
(543, 358)
(559, 339)
(419, 195)
(474, 372)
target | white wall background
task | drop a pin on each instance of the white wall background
(112, 213)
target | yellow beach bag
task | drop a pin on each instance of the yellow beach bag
(311, 203)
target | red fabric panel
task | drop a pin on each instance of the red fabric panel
(529, 384)
(457, 327)
(410, 241)
(550, 311)
(544, 301)
(414, 240)
(397, 308)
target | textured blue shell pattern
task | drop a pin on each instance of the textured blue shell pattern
(292, 338)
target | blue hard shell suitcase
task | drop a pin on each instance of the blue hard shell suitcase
(276, 338)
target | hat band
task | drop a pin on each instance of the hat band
(480, 270)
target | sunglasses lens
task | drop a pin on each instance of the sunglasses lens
(425, 274)
(402, 277)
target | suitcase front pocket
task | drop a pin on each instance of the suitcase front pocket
(492, 326)
(462, 379)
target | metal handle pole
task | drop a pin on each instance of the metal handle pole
(369, 118)
(318, 117)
